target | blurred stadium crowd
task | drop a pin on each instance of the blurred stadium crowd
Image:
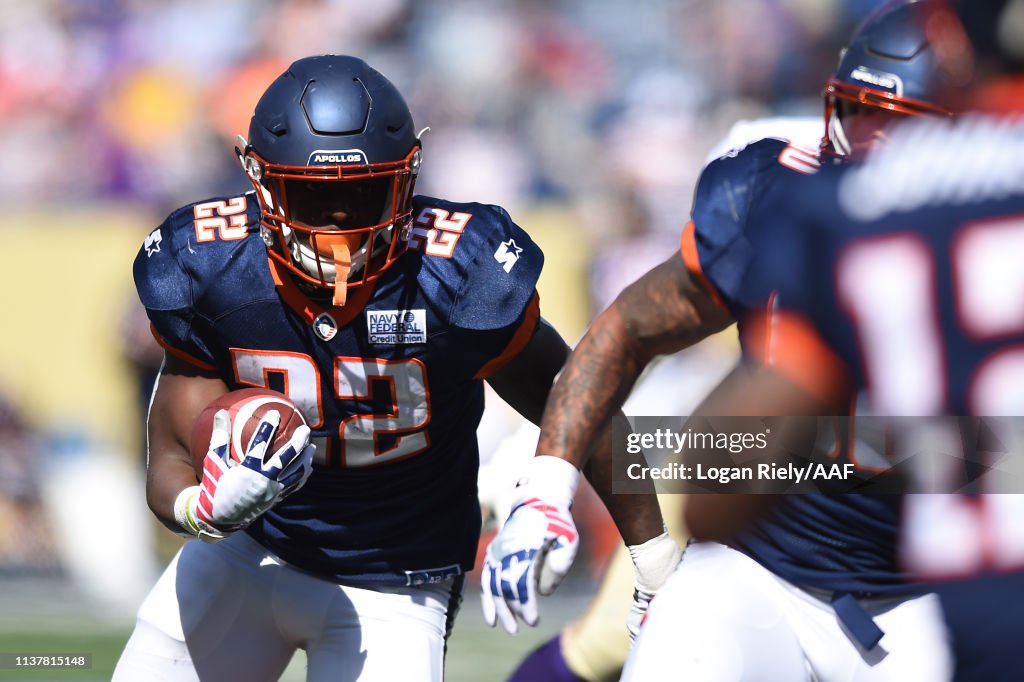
(603, 108)
(139, 100)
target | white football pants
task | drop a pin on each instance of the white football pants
(723, 617)
(233, 611)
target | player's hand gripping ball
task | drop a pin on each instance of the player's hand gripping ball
(246, 408)
(250, 449)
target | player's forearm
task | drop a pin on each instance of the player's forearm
(577, 421)
(662, 312)
(637, 516)
(594, 384)
(166, 478)
(182, 392)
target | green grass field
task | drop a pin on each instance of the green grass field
(476, 653)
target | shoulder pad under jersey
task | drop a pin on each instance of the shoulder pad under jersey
(485, 264)
(729, 191)
(191, 251)
(802, 131)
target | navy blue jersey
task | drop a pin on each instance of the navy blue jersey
(390, 384)
(909, 266)
(731, 189)
(843, 543)
(904, 275)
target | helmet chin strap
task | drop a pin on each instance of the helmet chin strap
(838, 135)
(342, 267)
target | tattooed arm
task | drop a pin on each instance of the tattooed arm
(662, 312)
(524, 383)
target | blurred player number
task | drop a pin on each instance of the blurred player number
(953, 536)
(360, 434)
(889, 288)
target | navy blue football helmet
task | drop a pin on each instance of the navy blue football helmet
(889, 65)
(993, 29)
(333, 155)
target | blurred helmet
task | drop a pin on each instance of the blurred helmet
(333, 154)
(995, 29)
(889, 65)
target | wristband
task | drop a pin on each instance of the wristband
(184, 514)
(551, 479)
(655, 560)
(183, 505)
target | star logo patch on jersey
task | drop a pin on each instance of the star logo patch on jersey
(397, 326)
(325, 327)
(152, 243)
(508, 254)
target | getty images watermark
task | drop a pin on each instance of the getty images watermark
(733, 443)
(872, 455)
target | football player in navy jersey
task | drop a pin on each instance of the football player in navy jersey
(814, 592)
(902, 278)
(379, 313)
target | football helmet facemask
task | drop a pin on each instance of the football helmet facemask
(334, 157)
(889, 67)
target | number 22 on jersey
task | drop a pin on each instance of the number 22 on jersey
(366, 439)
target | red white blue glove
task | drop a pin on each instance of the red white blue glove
(535, 548)
(231, 495)
(653, 561)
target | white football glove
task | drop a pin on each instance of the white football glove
(535, 548)
(653, 561)
(233, 494)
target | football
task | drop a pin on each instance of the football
(246, 408)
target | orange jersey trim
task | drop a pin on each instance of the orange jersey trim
(308, 309)
(192, 360)
(1002, 96)
(787, 343)
(688, 250)
(518, 342)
